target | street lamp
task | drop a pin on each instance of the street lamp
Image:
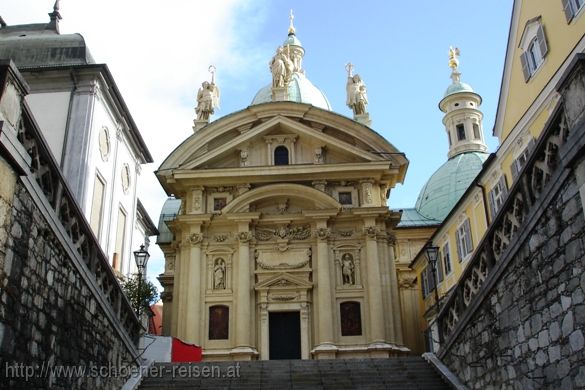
(432, 257)
(141, 257)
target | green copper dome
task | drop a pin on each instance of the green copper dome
(458, 87)
(292, 40)
(443, 190)
(300, 90)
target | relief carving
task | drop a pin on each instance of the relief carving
(284, 232)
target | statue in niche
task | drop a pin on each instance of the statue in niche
(219, 275)
(281, 67)
(348, 269)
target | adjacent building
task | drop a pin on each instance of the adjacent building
(90, 132)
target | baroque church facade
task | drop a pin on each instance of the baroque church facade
(280, 243)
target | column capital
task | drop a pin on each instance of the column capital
(195, 239)
(322, 233)
(371, 231)
(244, 237)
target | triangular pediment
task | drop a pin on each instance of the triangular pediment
(219, 144)
(280, 130)
(285, 281)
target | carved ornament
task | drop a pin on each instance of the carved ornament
(284, 232)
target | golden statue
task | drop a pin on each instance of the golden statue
(454, 58)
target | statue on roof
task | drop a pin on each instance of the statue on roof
(357, 97)
(207, 98)
(281, 67)
(454, 58)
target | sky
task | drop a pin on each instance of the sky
(159, 54)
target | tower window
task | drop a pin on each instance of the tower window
(460, 132)
(476, 131)
(281, 155)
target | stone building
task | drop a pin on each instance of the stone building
(281, 242)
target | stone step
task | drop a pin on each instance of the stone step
(394, 373)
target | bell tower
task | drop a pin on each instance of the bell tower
(463, 118)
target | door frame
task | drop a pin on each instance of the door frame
(268, 307)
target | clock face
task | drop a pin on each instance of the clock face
(104, 143)
(125, 178)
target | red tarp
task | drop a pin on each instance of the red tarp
(183, 352)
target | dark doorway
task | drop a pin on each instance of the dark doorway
(284, 335)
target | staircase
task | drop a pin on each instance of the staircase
(395, 373)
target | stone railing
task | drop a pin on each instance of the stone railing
(41, 175)
(507, 225)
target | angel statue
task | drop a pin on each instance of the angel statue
(357, 97)
(207, 98)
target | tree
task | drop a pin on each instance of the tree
(142, 299)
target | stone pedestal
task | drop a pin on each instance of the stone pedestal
(279, 94)
(364, 119)
(198, 124)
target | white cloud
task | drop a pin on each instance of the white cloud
(159, 53)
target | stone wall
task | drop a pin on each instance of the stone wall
(49, 319)
(530, 328)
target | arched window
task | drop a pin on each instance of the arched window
(219, 320)
(281, 155)
(351, 319)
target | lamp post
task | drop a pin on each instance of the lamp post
(141, 257)
(432, 257)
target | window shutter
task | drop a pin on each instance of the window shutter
(425, 283)
(568, 10)
(542, 41)
(514, 168)
(440, 268)
(447, 258)
(458, 237)
(492, 204)
(525, 68)
(468, 242)
(431, 279)
(503, 187)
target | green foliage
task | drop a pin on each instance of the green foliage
(143, 298)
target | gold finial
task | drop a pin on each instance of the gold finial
(454, 58)
(291, 27)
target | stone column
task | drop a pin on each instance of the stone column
(394, 291)
(176, 292)
(244, 312)
(373, 283)
(194, 280)
(326, 348)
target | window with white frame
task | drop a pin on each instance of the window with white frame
(446, 259)
(498, 195)
(534, 48)
(520, 161)
(464, 242)
(572, 8)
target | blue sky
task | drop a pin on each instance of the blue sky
(159, 53)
